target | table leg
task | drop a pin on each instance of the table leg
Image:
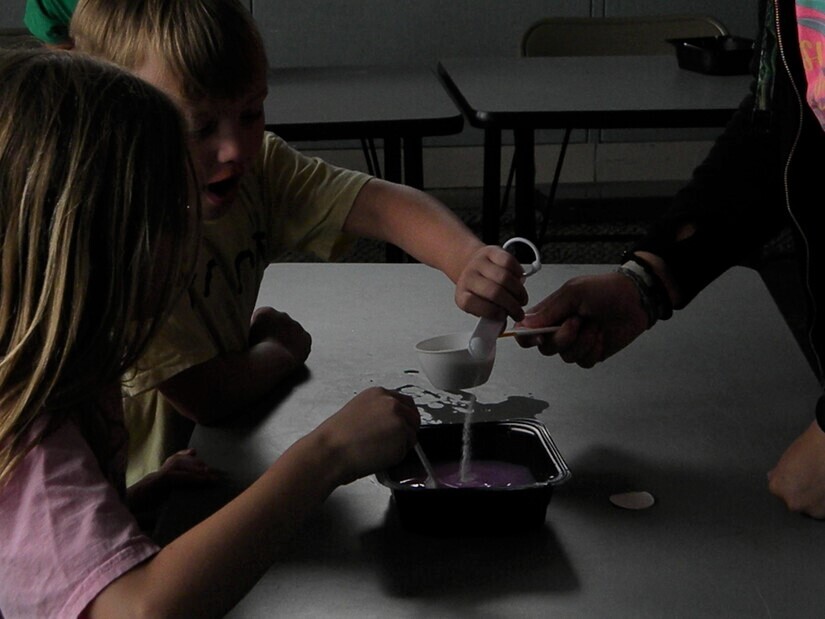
(392, 160)
(413, 173)
(413, 162)
(492, 186)
(392, 172)
(525, 224)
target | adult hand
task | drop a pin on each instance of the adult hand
(371, 432)
(799, 476)
(598, 315)
(492, 284)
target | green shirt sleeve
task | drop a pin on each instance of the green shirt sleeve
(48, 20)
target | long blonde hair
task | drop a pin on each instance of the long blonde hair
(211, 47)
(94, 233)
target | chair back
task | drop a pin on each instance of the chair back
(612, 36)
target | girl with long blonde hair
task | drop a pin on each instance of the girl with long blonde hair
(96, 242)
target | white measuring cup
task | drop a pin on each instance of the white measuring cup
(464, 360)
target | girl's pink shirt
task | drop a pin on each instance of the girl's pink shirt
(65, 533)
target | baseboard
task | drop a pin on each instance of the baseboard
(596, 166)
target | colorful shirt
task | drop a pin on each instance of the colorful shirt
(810, 18)
(65, 532)
(288, 201)
(48, 20)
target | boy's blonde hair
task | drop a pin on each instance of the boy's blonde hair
(211, 47)
(95, 235)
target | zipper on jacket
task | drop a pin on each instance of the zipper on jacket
(807, 250)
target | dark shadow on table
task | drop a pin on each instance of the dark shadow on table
(188, 506)
(191, 505)
(473, 567)
(736, 495)
(247, 423)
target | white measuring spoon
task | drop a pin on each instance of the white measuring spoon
(483, 338)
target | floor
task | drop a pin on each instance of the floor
(598, 232)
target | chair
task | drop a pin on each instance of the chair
(611, 36)
(605, 36)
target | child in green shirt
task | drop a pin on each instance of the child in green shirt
(48, 20)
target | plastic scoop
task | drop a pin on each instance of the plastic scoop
(448, 364)
(483, 338)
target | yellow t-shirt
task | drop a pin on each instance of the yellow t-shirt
(287, 201)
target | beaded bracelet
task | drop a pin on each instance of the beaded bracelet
(652, 293)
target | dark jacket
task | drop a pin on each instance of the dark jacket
(764, 173)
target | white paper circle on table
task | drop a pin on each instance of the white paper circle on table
(633, 500)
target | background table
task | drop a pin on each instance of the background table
(695, 412)
(398, 105)
(596, 92)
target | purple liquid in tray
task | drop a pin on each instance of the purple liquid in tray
(480, 474)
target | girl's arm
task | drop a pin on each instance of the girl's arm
(208, 569)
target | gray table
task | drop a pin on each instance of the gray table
(695, 412)
(597, 92)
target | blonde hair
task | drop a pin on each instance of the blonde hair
(94, 233)
(211, 47)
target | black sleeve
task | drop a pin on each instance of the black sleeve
(734, 201)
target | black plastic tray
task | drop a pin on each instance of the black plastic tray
(722, 55)
(449, 511)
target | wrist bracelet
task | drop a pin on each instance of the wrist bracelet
(659, 297)
(643, 289)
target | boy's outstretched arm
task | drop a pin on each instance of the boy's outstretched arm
(278, 345)
(488, 279)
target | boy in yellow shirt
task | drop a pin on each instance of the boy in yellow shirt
(218, 355)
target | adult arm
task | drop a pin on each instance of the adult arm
(732, 205)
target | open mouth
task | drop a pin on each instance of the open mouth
(224, 188)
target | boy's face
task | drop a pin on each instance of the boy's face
(225, 136)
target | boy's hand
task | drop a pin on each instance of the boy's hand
(371, 432)
(181, 468)
(278, 328)
(492, 284)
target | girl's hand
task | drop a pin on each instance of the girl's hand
(492, 284)
(279, 329)
(371, 432)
